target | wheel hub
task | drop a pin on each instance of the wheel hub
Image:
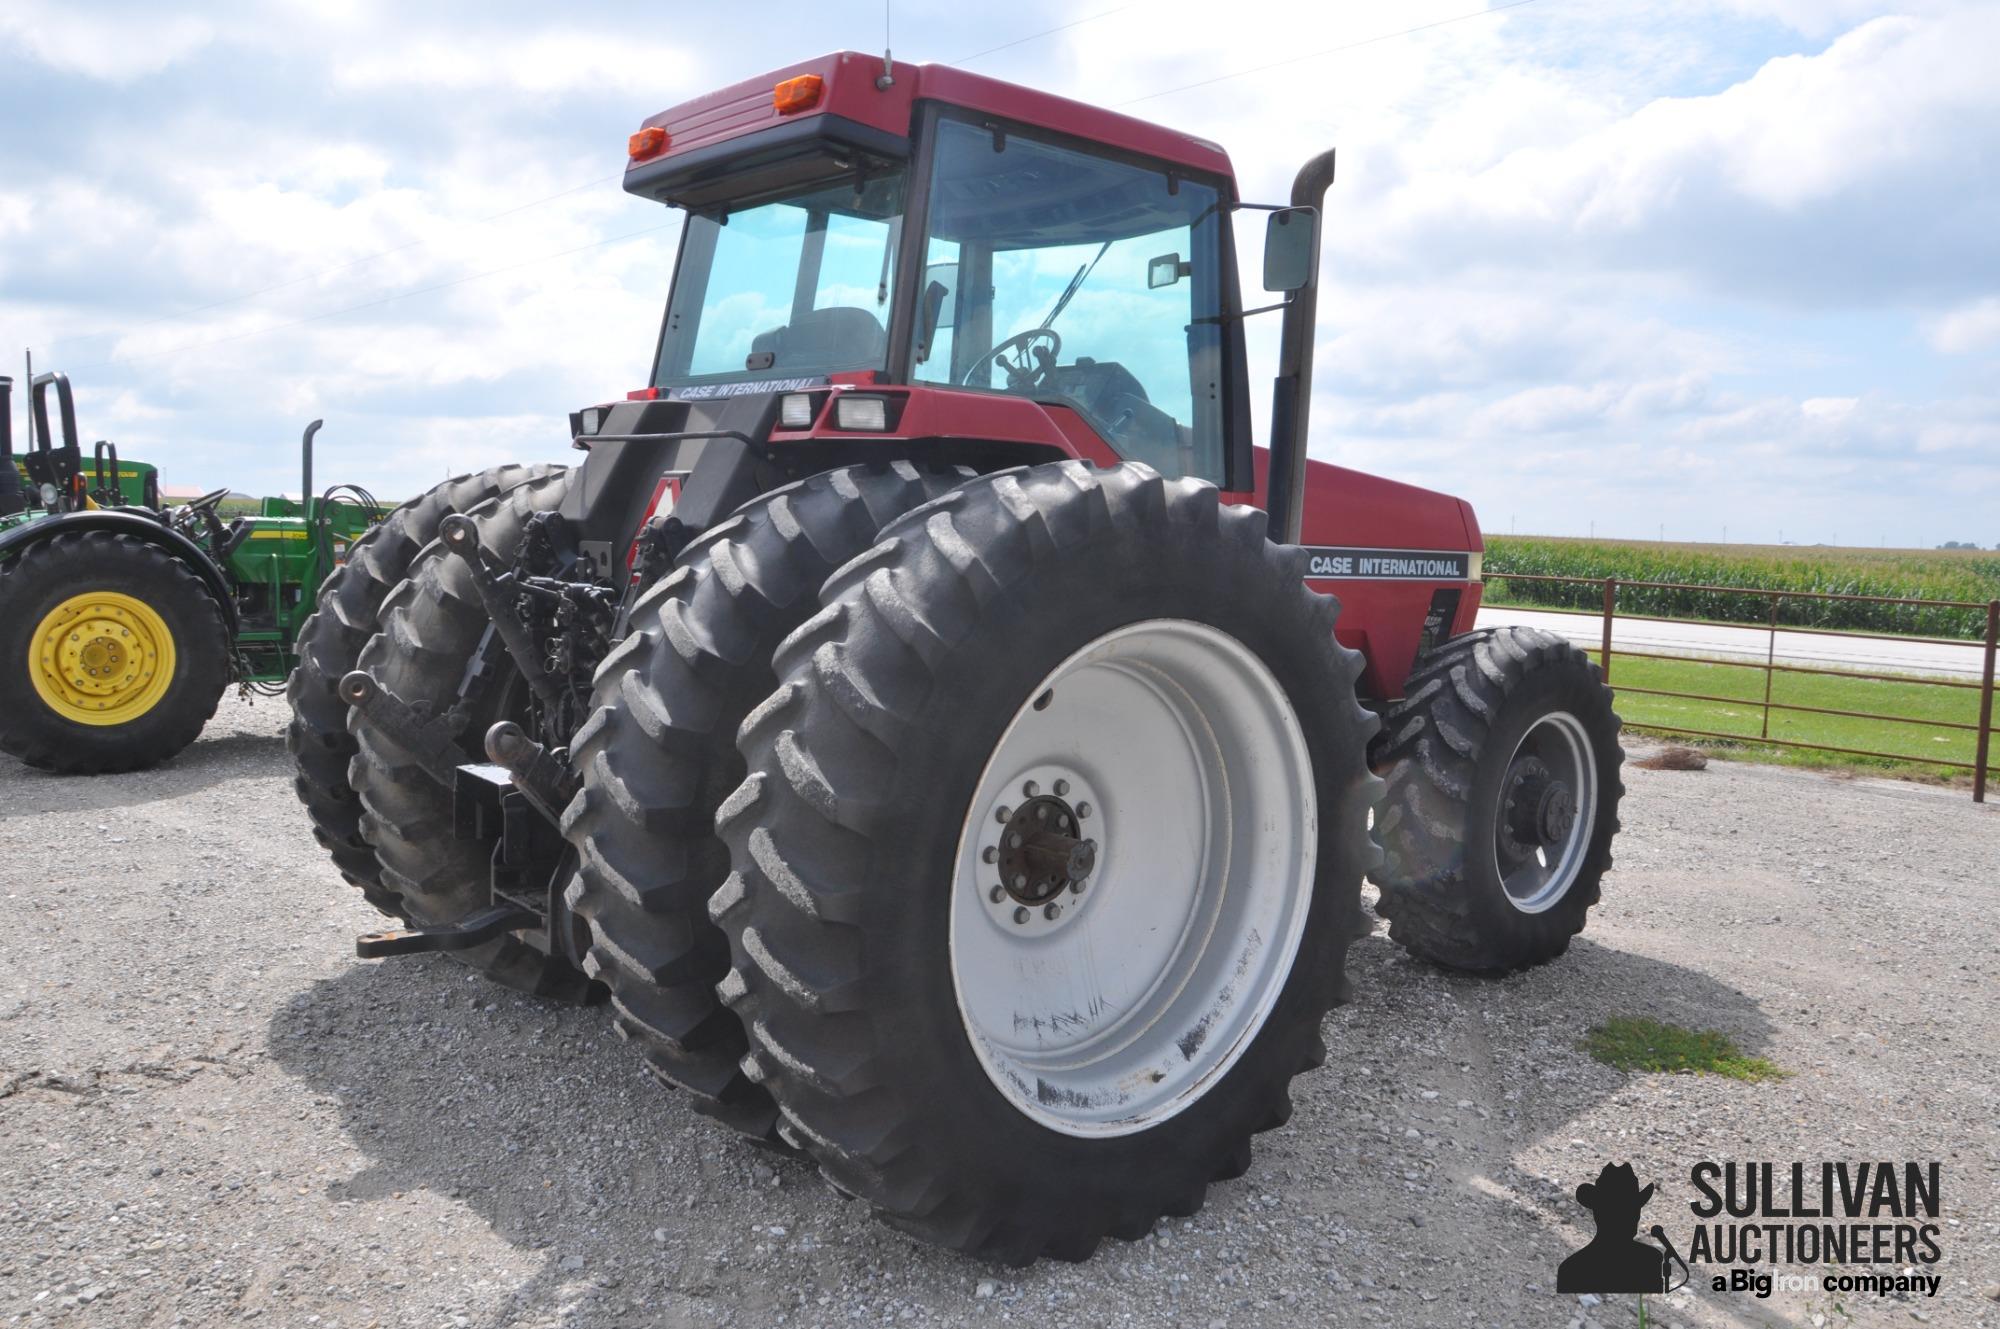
(1043, 850)
(1539, 810)
(1548, 806)
(102, 657)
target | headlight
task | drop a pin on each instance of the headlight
(867, 413)
(593, 419)
(795, 411)
(49, 496)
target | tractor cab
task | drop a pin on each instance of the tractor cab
(1010, 260)
(878, 258)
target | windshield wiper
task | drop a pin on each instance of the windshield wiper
(1075, 285)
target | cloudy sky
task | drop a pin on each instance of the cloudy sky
(1624, 267)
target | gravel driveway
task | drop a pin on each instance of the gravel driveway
(210, 1112)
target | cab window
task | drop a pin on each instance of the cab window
(1080, 280)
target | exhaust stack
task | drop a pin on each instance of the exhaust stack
(11, 500)
(1291, 390)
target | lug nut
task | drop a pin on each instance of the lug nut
(1002, 813)
(1083, 809)
(1021, 914)
(1052, 912)
(1062, 787)
(1030, 789)
(988, 854)
(1076, 888)
(997, 894)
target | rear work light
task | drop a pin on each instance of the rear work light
(795, 411)
(648, 143)
(866, 413)
(798, 94)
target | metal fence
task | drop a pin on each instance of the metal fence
(1981, 764)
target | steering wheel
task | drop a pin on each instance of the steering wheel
(1028, 367)
(184, 517)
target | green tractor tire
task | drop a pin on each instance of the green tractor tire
(113, 654)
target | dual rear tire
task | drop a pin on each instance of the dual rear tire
(1011, 1034)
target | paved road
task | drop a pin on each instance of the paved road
(1801, 648)
(211, 1111)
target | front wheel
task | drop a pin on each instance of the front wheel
(1502, 760)
(1048, 857)
(113, 654)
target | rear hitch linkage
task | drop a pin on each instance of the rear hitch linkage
(431, 738)
(497, 588)
(472, 930)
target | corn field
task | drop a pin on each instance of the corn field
(1905, 574)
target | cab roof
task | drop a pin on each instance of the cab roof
(707, 129)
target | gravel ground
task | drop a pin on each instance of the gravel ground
(210, 1112)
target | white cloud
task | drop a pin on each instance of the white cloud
(552, 61)
(1969, 327)
(114, 47)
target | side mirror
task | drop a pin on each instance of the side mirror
(1291, 249)
(1165, 271)
(945, 275)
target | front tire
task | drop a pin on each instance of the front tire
(1502, 760)
(1117, 635)
(113, 654)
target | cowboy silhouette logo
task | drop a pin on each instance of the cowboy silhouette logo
(1615, 1260)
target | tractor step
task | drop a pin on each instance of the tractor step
(473, 930)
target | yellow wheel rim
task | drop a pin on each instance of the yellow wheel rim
(101, 658)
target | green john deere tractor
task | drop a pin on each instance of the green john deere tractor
(121, 619)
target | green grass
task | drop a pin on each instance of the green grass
(1910, 746)
(1964, 575)
(1633, 1044)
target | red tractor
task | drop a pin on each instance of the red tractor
(953, 745)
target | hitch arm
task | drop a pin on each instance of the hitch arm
(431, 739)
(473, 930)
(461, 537)
(543, 775)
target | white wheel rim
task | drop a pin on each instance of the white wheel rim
(1537, 883)
(1136, 998)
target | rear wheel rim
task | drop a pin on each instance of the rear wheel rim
(1547, 811)
(101, 658)
(1107, 989)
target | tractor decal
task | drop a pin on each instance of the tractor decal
(1331, 563)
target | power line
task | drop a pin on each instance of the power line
(1036, 36)
(1331, 50)
(387, 299)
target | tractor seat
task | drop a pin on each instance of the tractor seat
(824, 339)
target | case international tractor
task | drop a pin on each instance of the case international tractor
(956, 748)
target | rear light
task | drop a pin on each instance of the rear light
(591, 420)
(643, 394)
(795, 411)
(798, 94)
(865, 413)
(648, 143)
